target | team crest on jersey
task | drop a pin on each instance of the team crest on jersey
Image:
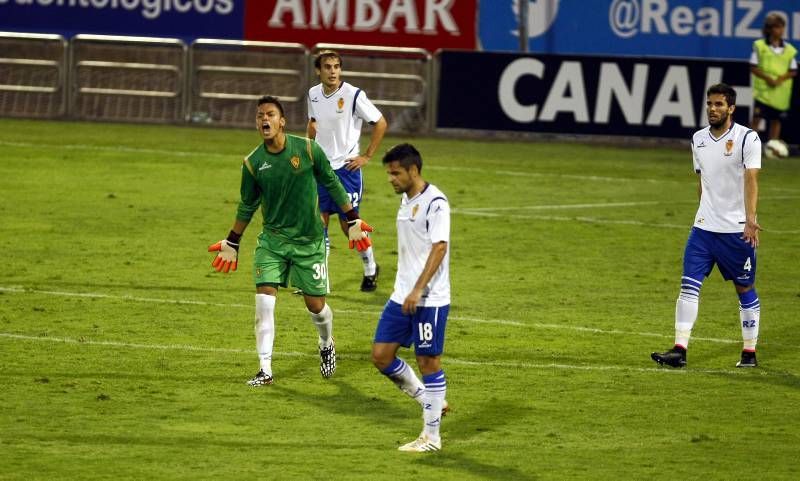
(729, 147)
(340, 105)
(295, 160)
(414, 210)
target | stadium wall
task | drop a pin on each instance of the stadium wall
(714, 34)
(428, 24)
(654, 97)
(711, 29)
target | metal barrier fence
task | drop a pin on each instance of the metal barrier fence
(33, 75)
(227, 76)
(160, 80)
(132, 79)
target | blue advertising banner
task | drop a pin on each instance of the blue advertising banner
(653, 97)
(185, 19)
(722, 29)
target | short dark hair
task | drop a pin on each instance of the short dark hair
(326, 54)
(405, 154)
(723, 89)
(769, 22)
(269, 99)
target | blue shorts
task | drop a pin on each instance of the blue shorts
(735, 258)
(425, 328)
(353, 184)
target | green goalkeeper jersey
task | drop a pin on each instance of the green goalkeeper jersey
(285, 186)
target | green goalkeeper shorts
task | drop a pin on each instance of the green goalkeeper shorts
(278, 262)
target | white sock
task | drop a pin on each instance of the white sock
(327, 256)
(404, 378)
(368, 259)
(265, 330)
(750, 315)
(435, 389)
(686, 310)
(324, 324)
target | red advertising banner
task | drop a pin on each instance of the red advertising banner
(428, 24)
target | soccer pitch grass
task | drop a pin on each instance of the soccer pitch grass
(123, 355)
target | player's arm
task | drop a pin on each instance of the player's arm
(438, 251)
(756, 70)
(751, 226)
(227, 250)
(378, 131)
(791, 73)
(699, 186)
(697, 170)
(311, 128)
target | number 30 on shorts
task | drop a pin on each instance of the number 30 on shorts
(320, 271)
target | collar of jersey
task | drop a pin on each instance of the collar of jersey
(420, 192)
(263, 144)
(721, 136)
(332, 93)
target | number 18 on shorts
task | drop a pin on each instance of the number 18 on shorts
(424, 329)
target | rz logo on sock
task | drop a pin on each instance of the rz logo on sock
(749, 324)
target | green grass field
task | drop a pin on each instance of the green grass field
(123, 355)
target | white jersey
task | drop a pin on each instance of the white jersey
(338, 118)
(422, 221)
(721, 163)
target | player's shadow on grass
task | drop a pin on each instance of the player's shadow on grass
(128, 288)
(457, 427)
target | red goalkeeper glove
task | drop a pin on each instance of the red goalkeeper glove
(357, 233)
(227, 253)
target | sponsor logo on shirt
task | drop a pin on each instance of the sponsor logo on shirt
(264, 166)
(314, 99)
(729, 147)
(701, 144)
(295, 160)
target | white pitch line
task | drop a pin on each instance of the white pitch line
(517, 173)
(593, 220)
(560, 218)
(375, 314)
(599, 205)
(119, 148)
(183, 153)
(450, 360)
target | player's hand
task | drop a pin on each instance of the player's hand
(357, 233)
(356, 163)
(227, 255)
(411, 301)
(750, 234)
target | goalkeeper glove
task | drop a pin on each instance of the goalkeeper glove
(227, 253)
(357, 233)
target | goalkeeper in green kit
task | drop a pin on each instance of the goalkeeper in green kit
(281, 177)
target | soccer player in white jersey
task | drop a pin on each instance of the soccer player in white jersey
(727, 157)
(417, 309)
(336, 111)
